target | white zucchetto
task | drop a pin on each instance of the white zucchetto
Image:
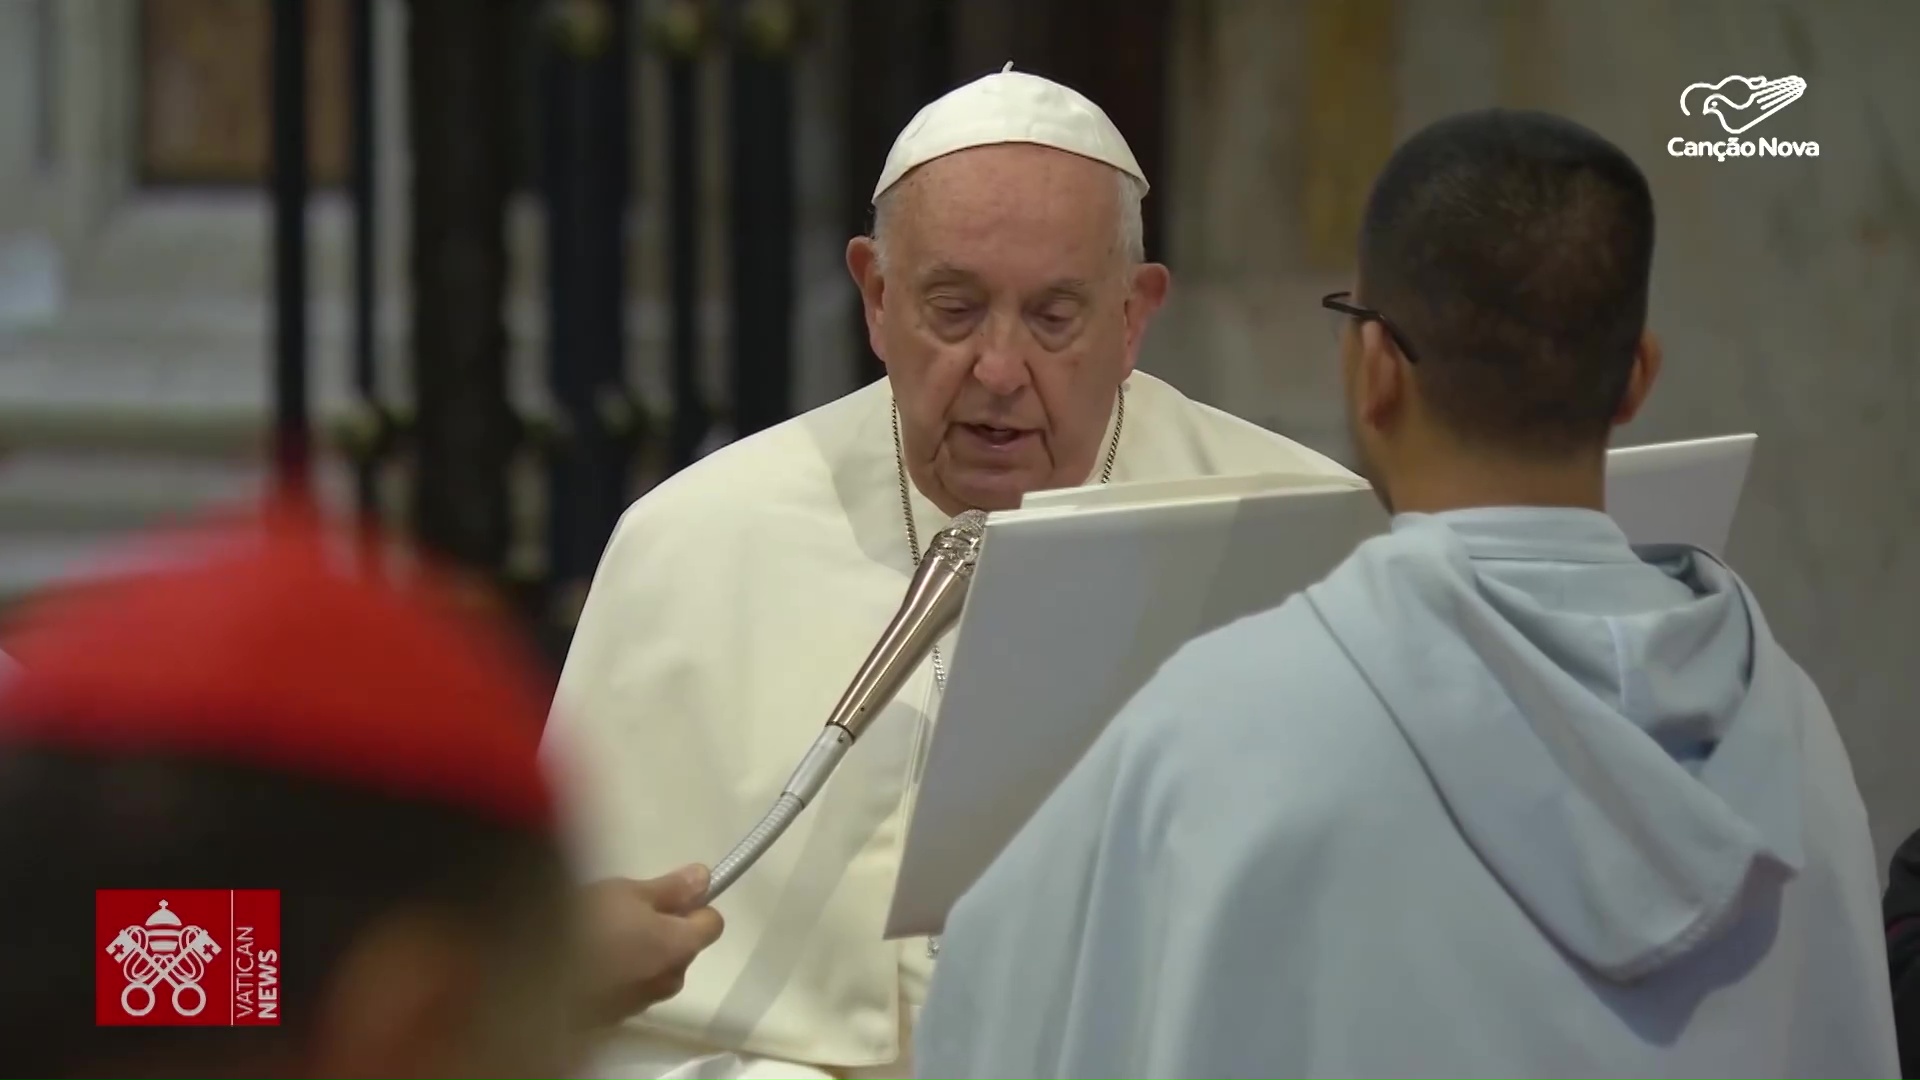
(1008, 107)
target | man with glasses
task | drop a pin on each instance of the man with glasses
(1503, 795)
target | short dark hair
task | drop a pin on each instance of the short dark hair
(343, 858)
(1513, 251)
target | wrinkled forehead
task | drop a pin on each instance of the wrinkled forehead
(1013, 215)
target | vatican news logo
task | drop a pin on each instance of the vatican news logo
(187, 957)
(1740, 103)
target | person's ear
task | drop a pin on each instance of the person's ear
(1146, 293)
(1647, 357)
(863, 263)
(1382, 380)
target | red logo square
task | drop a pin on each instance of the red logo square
(187, 957)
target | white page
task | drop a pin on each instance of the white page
(1076, 604)
(1685, 491)
(1168, 491)
(1068, 615)
(1679, 493)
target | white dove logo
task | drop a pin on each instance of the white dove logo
(1736, 94)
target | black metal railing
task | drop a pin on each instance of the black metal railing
(760, 191)
(682, 34)
(587, 123)
(461, 442)
(289, 181)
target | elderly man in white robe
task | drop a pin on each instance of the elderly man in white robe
(1503, 795)
(1007, 294)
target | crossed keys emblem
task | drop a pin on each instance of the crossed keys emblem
(163, 951)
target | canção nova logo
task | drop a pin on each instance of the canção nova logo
(1740, 103)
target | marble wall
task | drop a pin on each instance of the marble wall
(1785, 289)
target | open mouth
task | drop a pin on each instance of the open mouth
(995, 436)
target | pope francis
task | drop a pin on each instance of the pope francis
(1006, 291)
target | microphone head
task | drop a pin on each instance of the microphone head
(957, 547)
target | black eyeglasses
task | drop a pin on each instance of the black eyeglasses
(1342, 302)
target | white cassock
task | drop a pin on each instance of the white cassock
(1497, 798)
(732, 606)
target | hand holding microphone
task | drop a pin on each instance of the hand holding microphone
(641, 936)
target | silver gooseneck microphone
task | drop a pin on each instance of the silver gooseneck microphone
(932, 606)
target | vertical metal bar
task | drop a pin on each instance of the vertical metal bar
(907, 49)
(292, 439)
(466, 435)
(363, 92)
(682, 31)
(586, 89)
(760, 160)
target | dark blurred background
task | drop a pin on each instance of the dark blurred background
(482, 218)
(482, 271)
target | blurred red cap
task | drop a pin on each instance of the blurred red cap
(253, 643)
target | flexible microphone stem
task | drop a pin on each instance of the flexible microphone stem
(806, 782)
(931, 607)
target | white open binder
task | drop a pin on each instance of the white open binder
(1081, 594)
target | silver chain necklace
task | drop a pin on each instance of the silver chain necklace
(906, 500)
(913, 534)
